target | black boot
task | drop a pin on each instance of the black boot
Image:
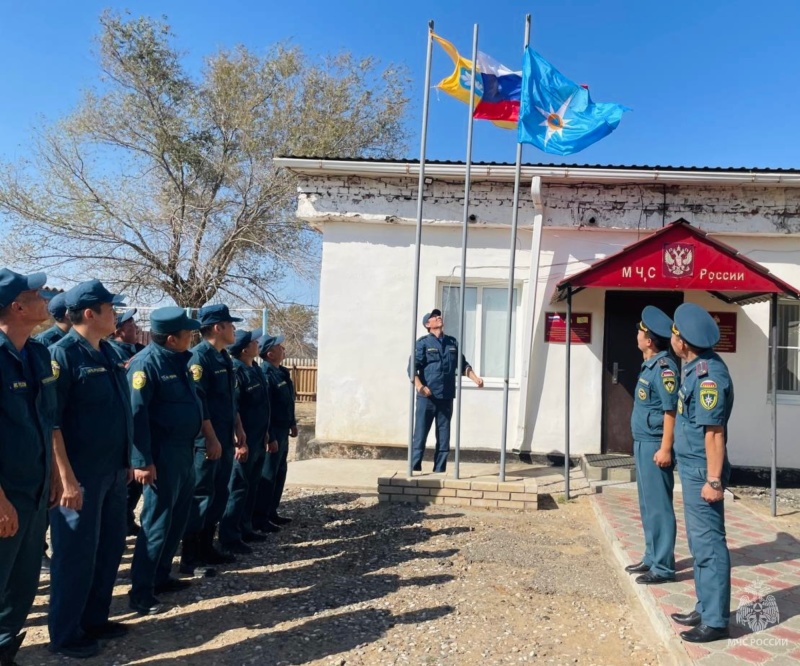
(208, 553)
(8, 652)
(189, 554)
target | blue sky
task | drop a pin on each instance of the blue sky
(710, 82)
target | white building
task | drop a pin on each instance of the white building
(366, 211)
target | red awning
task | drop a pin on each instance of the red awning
(680, 257)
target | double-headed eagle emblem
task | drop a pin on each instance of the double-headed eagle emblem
(678, 260)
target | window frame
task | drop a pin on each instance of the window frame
(477, 363)
(784, 396)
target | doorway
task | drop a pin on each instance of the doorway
(622, 361)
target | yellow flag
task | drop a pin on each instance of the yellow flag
(458, 83)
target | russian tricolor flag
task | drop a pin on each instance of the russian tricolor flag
(502, 90)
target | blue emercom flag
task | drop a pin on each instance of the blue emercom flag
(557, 115)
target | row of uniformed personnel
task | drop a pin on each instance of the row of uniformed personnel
(77, 423)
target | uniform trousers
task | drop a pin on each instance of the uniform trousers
(705, 528)
(242, 494)
(164, 515)
(655, 485)
(20, 566)
(428, 410)
(273, 480)
(87, 549)
(210, 491)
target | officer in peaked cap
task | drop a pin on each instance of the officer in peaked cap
(27, 410)
(167, 416)
(705, 401)
(92, 442)
(236, 527)
(222, 439)
(58, 311)
(653, 425)
(283, 425)
(433, 370)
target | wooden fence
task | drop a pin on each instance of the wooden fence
(304, 376)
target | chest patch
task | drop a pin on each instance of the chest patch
(197, 371)
(680, 406)
(56, 368)
(709, 394)
(138, 380)
(642, 394)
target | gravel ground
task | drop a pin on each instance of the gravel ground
(759, 498)
(356, 582)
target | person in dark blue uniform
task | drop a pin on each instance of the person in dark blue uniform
(27, 411)
(124, 342)
(58, 311)
(653, 426)
(167, 416)
(283, 425)
(705, 402)
(236, 526)
(222, 439)
(434, 372)
(92, 443)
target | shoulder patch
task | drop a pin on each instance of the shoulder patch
(701, 369)
(138, 380)
(668, 379)
(709, 394)
(197, 371)
(663, 362)
(56, 368)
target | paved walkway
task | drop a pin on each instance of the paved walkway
(765, 554)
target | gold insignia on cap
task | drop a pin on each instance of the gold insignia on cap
(139, 380)
(56, 368)
(197, 371)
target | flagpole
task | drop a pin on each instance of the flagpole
(512, 260)
(464, 231)
(418, 242)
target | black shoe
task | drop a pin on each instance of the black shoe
(151, 606)
(439, 471)
(416, 468)
(9, 650)
(702, 633)
(687, 619)
(210, 555)
(46, 562)
(106, 631)
(196, 570)
(650, 578)
(271, 528)
(253, 537)
(280, 520)
(236, 547)
(639, 567)
(172, 585)
(133, 529)
(80, 649)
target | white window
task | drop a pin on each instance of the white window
(788, 349)
(484, 326)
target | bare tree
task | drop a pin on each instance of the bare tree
(164, 184)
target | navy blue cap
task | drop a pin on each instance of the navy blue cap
(58, 306)
(215, 314)
(241, 339)
(89, 293)
(434, 312)
(122, 317)
(267, 342)
(696, 326)
(13, 284)
(171, 320)
(656, 321)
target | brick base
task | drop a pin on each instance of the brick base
(396, 487)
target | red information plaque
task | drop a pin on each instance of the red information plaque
(727, 331)
(555, 327)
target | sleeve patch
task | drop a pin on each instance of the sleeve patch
(197, 371)
(669, 380)
(138, 380)
(709, 394)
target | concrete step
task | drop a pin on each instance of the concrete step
(608, 467)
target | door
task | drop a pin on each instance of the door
(622, 360)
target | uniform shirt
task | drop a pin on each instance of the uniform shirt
(166, 409)
(656, 392)
(212, 371)
(253, 402)
(50, 336)
(94, 410)
(27, 411)
(704, 399)
(436, 363)
(281, 398)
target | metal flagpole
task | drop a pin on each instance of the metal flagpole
(773, 372)
(568, 391)
(418, 241)
(463, 289)
(512, 260)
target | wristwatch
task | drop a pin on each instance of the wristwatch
(716, 485)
